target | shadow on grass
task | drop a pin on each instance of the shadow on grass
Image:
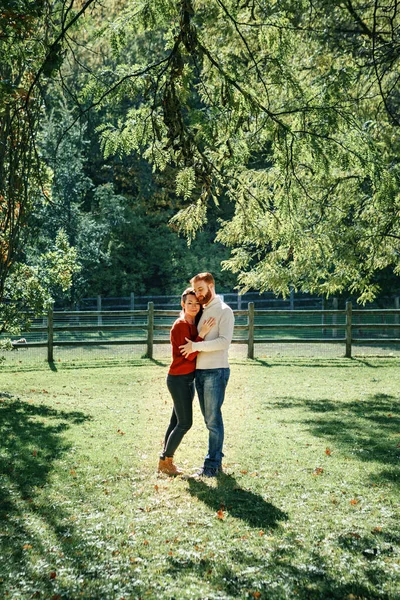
(281, 573)
(240, 503)
(71, 364)
(44, 553)
(338, 363)
(365, 428)
(31, 441)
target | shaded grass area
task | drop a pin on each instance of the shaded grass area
(308, 505)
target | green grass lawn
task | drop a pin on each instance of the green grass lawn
(308, 506)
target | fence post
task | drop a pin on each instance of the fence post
(335, 304)
(291, 299)
(349, 308)
(323, 314)
(396, 317)
(150, 329)
(239, 301)
(132, 306)
(99, 318)
(250, 346)
(50, 334)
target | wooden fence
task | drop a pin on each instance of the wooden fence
(334, 326)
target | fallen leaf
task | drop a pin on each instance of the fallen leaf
(376, 530)
(120, 432)
(220, 514)
(27, 547)
(34, 453)
(256, 594)
(318, 471)
(145, 543)
(354, 501)
(328, 452)
(156, 488)
(53, 575)
(244, 472)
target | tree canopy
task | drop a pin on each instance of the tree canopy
(32, 37)
(289, 109)
(273, 124)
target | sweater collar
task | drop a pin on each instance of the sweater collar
(216, 300)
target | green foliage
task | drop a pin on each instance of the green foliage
(185, 182)
(30, 289)
(32, 38)
(274, 123)
(287, 109)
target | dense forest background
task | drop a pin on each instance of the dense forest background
(142, 142)
(116, 213)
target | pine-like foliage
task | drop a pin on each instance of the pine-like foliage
(291, 110)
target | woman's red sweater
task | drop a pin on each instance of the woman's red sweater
(180, 365)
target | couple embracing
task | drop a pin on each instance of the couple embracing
(200, 339)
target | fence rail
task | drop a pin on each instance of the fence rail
(265, 300)
(150, 327)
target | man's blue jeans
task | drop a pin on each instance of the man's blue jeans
(210, 386)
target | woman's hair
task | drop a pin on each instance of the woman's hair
(190, 292)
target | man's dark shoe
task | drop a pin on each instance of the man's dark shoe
(209, 471)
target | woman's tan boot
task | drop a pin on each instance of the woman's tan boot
(166, 465)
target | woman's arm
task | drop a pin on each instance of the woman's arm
(206, 328)
(179, 332)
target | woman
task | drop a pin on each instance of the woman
(180, 378)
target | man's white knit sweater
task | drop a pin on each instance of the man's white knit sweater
(213, 352)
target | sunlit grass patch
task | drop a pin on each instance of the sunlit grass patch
(307, 506)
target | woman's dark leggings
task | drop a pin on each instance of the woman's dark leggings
(181, 388)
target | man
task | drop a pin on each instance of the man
(212, 367)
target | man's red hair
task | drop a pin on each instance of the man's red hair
(207, 277)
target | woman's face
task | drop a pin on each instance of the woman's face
(191, 306)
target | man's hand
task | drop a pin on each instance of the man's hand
(186, 349)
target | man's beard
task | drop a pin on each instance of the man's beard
(206, 298)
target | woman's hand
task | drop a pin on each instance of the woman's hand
(206, 327)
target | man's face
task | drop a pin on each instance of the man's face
(203, 292)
